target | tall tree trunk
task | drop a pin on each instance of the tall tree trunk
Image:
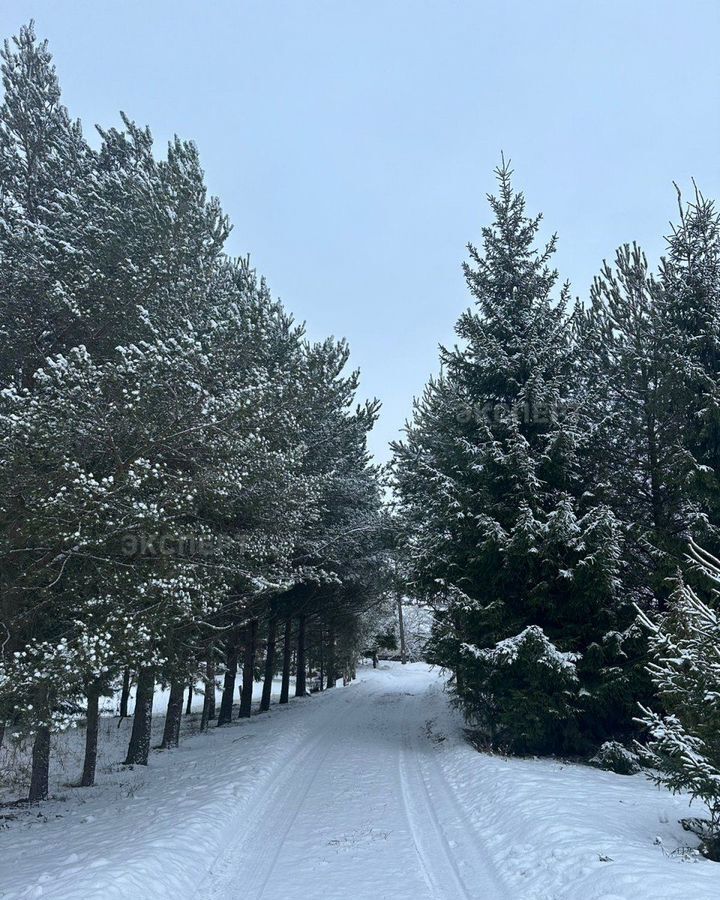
(2, 734)
(209, 698)
(228, 694)
(269, 663)
(248, 669)
(458, 658)
(331, 661)
(125, 693)
(287, 659)
(212, 712)
(188, 708)
(322, 662)
(300, 684)
(401, 628)
(139, 747)
(171, 732)
(91, 738)
(40, 777)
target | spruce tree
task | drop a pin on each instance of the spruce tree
(684, 745)
(508, 541)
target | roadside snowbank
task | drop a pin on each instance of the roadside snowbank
(574, 832)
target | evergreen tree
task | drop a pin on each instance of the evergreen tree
(521, 557)
(171, 448)
(684, 746)
(689, 306)
(43, 162)
(626, 386)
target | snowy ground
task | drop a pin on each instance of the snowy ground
(367, 791)
(68, 747)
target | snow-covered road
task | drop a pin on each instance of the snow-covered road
(368, 792)
(362, 811)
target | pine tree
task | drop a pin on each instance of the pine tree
(689, 306)
(43, 163)
(178, 465)
(627, 384)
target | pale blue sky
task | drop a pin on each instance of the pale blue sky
(352, 141)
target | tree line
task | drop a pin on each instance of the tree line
(186, 492)
(558, 497)
(185, 488)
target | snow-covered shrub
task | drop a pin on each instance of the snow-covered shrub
(614, 757)
(524, 692)
(684, 746)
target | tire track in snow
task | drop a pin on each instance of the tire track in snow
(487, 883)
(223, 866)
(406, 789)
(288, 790)
(265, 866)
(440, 870)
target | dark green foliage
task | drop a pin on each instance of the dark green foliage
(684, 738)
(387, 640)
(176, 459)
(613, 757)
(508, 538)
(521, 693)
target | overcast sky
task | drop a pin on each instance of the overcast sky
(352, 142)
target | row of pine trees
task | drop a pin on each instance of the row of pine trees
(185, 489)
(553, 487)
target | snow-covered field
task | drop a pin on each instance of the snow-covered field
(368, 791)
